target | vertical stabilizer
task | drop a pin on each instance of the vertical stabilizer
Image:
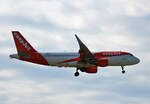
(25, 51)
(22, 44)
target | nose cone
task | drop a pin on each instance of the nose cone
(137, 60)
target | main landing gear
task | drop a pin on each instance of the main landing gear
(123, 71)
(76, 74)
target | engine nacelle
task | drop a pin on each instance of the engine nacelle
(102, 62)
(91, 70)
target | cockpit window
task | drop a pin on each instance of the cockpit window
(131, 55)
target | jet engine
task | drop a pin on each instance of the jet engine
(91, 70)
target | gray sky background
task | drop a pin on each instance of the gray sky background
(50, 25)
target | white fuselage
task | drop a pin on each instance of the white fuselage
(54, 59)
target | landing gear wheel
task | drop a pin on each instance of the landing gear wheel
(123, 71)
(76, 74)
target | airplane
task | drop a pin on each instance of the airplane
(84, 60)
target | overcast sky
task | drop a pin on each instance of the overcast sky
(50, 25)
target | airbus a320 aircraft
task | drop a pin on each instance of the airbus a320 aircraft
(84, 60)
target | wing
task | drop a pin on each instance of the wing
(85, 55)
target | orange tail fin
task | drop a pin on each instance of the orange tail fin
(22, 44)
(25, 51)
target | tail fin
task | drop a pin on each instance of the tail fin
(25, 51)
(22, 44)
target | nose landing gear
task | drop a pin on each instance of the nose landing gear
(123, 71)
